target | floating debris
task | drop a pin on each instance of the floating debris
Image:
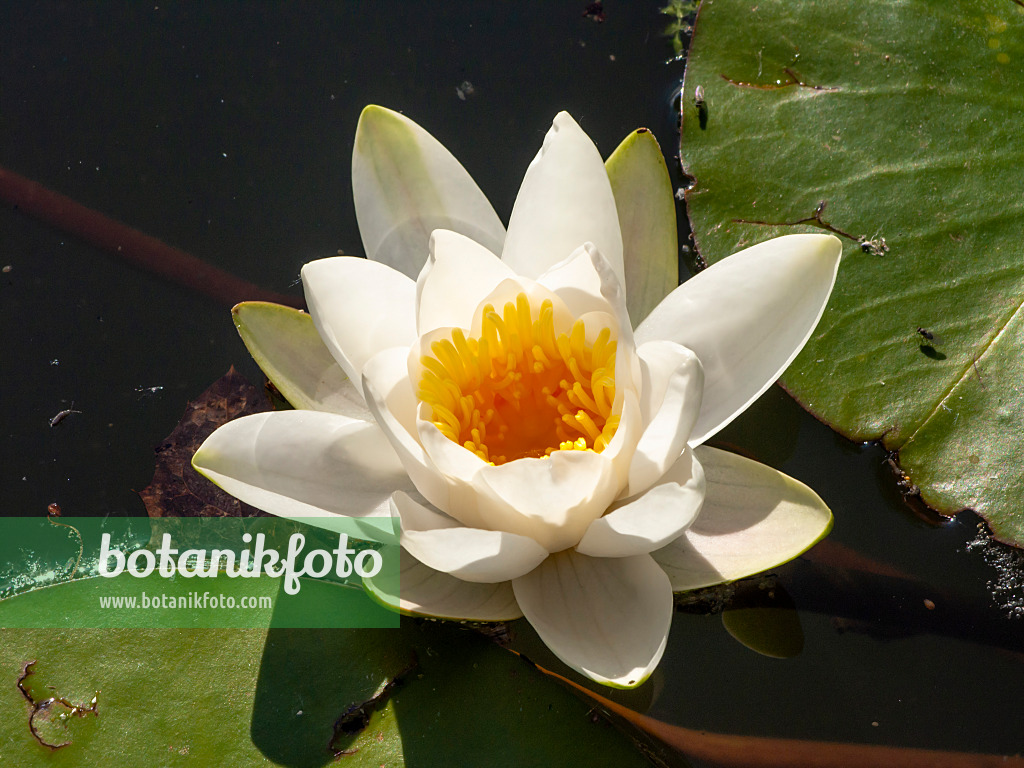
(62, 415)
(595, 12)
(876, 246)
(1007, 588)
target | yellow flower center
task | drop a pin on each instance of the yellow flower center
(519, 390)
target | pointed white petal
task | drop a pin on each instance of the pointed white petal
(652, 519)
(406, 185)
(390, 398)
(647, 216)
(470, 554)
(672, 382)
(458, 274)
(754, 518)
(565, 201)
(359, 308)
(303, 464)
(285, 345)
(422, 591)
(608, 618)
(747, 317)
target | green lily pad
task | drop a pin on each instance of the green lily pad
(897, 126)
(427, 694)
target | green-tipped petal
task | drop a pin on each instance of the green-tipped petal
(285, 344)
(754, 518)
(647, 218)
(406, 185)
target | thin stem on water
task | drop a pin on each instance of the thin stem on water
(132, 245)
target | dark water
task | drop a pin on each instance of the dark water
(225, 129)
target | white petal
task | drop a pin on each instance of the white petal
(458, 467)
(360, 308)
(582, 280)
(286, 346)
(672, 382)
(458, 274)
(605, 617)
(647, 216)
(565, 201)
(406, 185)
(470, 554)
(507, 292)
(422, 591)
(391, 400)
(754, 518)
(651, 520)
(747, 317)
(451, 461)
(551, 500)
(303, 464)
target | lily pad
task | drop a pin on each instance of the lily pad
(426, 694)
(896, 126)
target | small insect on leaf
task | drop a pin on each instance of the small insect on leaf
(698, 97)
(930, 336)
(702, 106)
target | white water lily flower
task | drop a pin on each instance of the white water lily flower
(543, 455)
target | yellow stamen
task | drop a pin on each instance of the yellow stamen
(520, 389)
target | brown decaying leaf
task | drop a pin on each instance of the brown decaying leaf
(177, 490)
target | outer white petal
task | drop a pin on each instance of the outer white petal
(470, 554)
(565, 201)
(285, 344)
(391, 400)
(672, 383)
(650, 521)
(754, 518)
(304, 464)
(605, 617)
(406, 185)
(457, 275)
(359, 308)
(422, 591)
(747, 317)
